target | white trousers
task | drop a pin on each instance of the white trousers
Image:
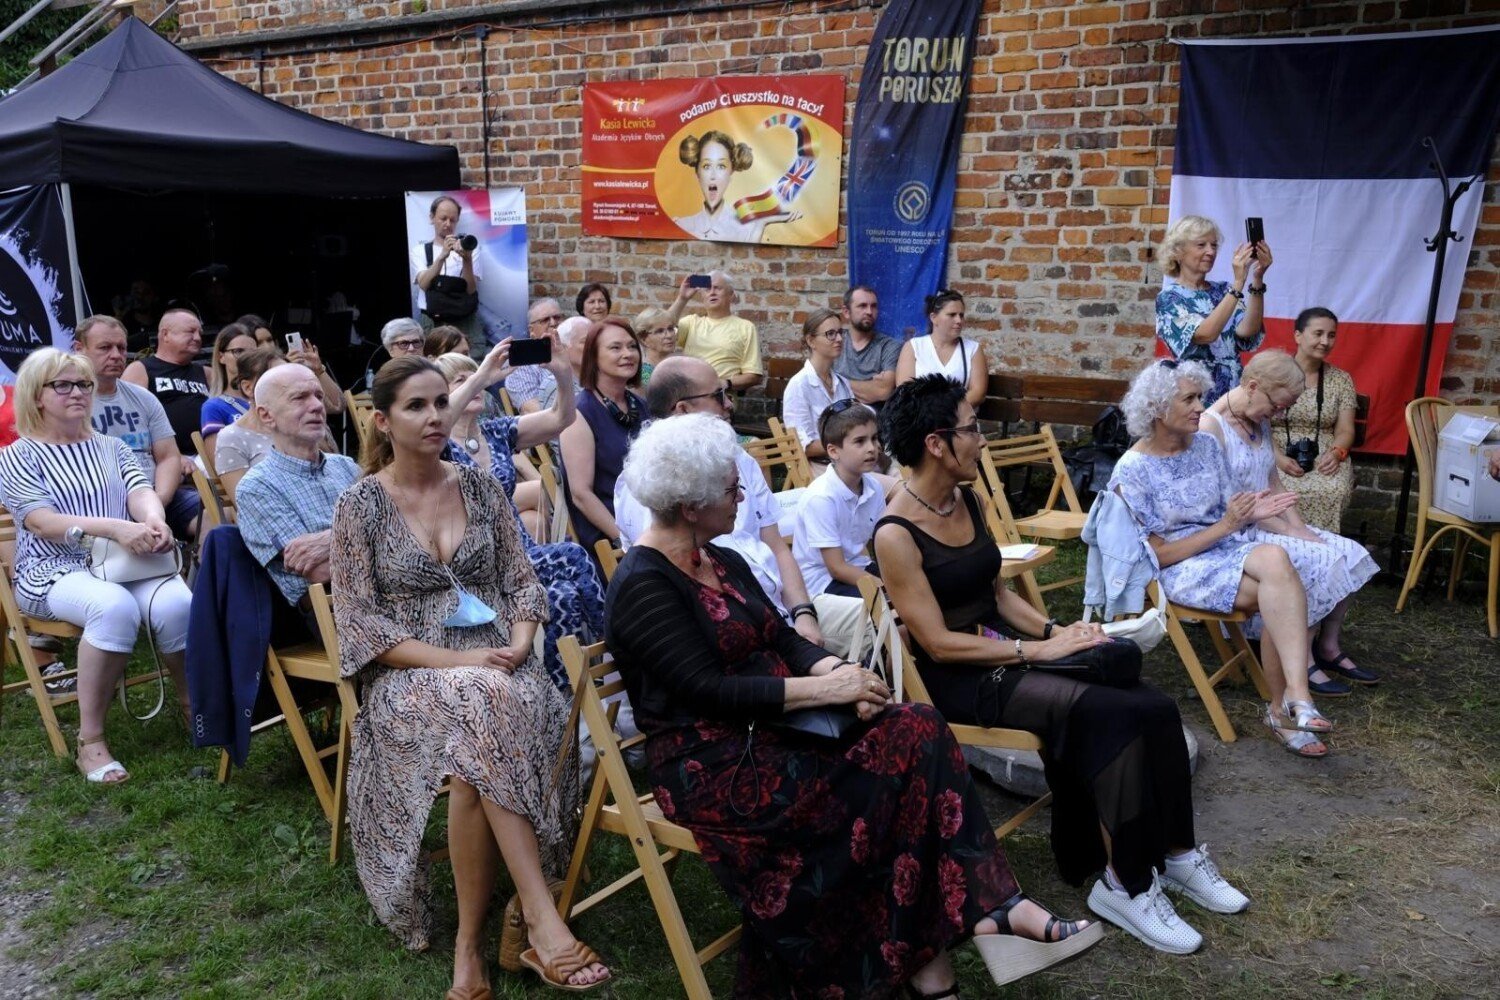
(111, 613)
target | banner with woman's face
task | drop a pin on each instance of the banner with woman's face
(729, 159)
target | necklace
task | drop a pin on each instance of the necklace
(940, 513)
(421, 522)
(1250, 432)
(469, 441)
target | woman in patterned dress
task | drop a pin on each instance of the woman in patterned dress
(1324, 413)
(437, 607)
(857, 860)
(1208, 541)
(1331, 566)
(1210, 322)
(574, 595)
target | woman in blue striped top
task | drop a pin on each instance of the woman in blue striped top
(62, 480)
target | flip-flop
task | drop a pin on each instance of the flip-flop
(556, 972)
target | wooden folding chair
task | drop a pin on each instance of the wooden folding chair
(782, 449)
(1235, 654)
(218, 505)
(1422, 425)
(359, 407)
(506, 403)
(313, 661)
(609, 555)
(997, 518)
(207, 459)
(1050, 521)
(560, 525)
(906, 685)
(613, 806)
(19, 627)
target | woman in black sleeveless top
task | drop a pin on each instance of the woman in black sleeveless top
(1115, 758)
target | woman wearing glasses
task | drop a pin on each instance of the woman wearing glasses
(62, 482)
(816, 386)
(1115, 756)
(945, 350)
(658, 340)
(1331, 566)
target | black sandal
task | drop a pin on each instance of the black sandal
(1009, 957)
(1001, 916)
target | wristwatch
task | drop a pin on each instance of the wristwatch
(1047, 628)
(75, 536)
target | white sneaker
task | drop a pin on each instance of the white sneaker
(1148, 916)
(1201, 882)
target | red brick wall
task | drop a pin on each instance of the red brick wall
(1063, 180)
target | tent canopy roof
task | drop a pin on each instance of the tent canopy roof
(135, 111)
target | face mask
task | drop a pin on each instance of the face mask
(471, 611)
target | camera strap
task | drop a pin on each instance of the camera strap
(1286, 421)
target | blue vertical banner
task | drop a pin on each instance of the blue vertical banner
(36, 278)
(903, 167)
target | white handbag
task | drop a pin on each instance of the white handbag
(1146, 631)
(114, 563)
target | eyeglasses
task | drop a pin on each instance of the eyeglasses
(838, 406)
(737, 490)
(834, 334)
(721, 394)
(407, 345)
(237, 351)
(972, 428)
(552, 320)
(1277, 408)
(66, 387)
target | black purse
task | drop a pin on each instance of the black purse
(449, 297)
(828, 723)
(1116, 663)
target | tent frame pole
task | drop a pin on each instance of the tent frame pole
(65, 190)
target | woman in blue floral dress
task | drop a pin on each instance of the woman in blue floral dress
(1332, 567)
(1208, 541)
(1211, 322)
(574, 594)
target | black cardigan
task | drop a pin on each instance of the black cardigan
(665, 646)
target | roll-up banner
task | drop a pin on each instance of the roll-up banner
(36, 278)
(908, 121)
(496, 217)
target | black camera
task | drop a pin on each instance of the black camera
(1303, 451)
(468, 242)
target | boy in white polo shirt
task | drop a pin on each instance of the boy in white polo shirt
(839, 512)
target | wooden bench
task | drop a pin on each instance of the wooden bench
(1048, 399)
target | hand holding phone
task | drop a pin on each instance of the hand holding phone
(293, 342)
(531, 351)
(699, 281)
(1255, 232)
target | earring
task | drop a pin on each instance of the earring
(697, 552)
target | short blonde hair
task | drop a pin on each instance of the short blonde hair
(649, 317)
(454, 364)
(1183, 231)
(39, 368)
(1274, 370)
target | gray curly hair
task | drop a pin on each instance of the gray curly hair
(1152, 390)
(680, 461)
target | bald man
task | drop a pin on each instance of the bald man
(286, 501)
(173, 377)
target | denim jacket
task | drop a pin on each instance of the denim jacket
(1121, 563)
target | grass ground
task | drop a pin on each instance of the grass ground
(1374, 874)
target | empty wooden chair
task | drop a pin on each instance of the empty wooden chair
(782, 450)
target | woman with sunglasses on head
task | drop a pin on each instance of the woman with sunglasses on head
(1210, 544)
(610, 415)
(1331, 566)
(658, 335)
(816, 386)
(1113, 748)
(65, 483)
(437, 608)
(945, 351)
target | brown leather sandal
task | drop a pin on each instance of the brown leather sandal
(513, 929)
(556, 972)
(469, 993)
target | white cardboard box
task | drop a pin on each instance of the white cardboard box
(1464, 485)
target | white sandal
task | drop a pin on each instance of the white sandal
(104, 773)
(1305, 717)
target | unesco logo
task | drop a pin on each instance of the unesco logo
(913, 201)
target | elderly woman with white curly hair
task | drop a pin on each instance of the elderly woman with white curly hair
(1208, 540)
(859, 855)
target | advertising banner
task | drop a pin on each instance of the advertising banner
(36, 282)
(735, 159)
(903, 160)
(497, 219)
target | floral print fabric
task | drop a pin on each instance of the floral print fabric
(1179, 310)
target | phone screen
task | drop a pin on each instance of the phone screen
(699, 281)
(530, 352)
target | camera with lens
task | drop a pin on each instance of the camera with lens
(1303, 451)
(468, 241)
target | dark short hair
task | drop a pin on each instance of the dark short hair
(253, 322)
(588, 372)
(833, 428)
(935, 302)
(86, 326)
(441, 340)
(916, 409)
(1311, 313)
(590, 289)
(849, 295)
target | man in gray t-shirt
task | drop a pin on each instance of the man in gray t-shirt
(132, 414)
(869, 357)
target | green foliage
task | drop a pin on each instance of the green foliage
(17, 51)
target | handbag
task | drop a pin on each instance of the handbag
(114, 563)
(1117, 663)
(1146, 630)
(449, 297)
(828, 723)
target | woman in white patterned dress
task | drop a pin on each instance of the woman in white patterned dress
(1208, 541)
(1331, 566)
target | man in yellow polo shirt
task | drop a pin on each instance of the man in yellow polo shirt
(730, 343)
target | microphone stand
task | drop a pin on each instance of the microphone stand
(1438, 244)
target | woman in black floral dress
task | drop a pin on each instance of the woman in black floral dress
(857, 860)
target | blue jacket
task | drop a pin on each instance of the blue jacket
(229, 631)
(1121, 563)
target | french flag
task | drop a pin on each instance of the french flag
(1322, 138)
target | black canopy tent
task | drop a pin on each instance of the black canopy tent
(139, 117)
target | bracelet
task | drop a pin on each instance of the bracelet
(803, 609)
(1236, 292)
(1342, 453)
(1257, 289)
(1047, 628)
(1020, 655)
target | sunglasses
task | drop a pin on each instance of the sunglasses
(838, 407)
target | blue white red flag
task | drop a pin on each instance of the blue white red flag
(1322, 138)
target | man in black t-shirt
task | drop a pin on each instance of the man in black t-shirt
(180, 385)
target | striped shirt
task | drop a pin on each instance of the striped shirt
(90, 478)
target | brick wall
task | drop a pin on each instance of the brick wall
(1063, 181)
